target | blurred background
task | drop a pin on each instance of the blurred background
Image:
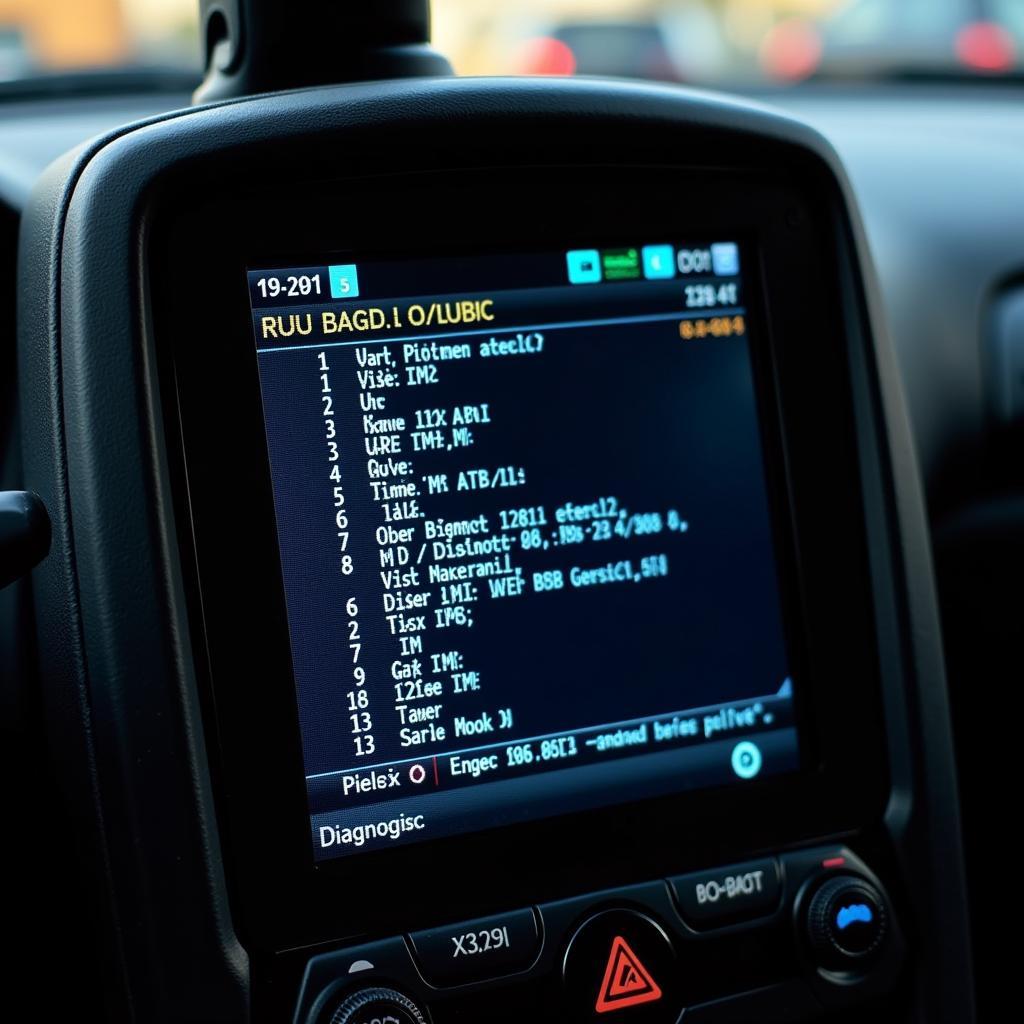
(714, 42)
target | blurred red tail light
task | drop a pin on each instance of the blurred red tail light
(985, 46)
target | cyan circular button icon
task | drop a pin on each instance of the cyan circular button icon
(746, 759)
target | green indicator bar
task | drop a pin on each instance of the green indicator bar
(621, 264)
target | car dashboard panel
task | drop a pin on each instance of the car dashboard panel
(493, 590)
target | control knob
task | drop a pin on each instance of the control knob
(377, 1006)
(847, 922)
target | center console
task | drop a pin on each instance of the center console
(531, 555)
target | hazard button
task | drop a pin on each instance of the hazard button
(626, 981)
(620, 966)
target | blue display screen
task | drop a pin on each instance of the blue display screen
(525, 534)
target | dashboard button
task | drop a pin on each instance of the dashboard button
(620, 966)
(846, 921)
(738, 892)
(474, 950)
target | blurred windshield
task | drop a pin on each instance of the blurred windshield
(713, 42)
(46, 36)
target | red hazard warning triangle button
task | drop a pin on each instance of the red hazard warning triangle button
(620, 965)
(626, 980)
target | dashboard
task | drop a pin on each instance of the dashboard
(503, 585)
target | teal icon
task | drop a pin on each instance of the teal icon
(584, 266)
(725, 258)
(746, 759)
(659, 262)
(344, 281)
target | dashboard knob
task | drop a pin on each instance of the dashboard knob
(847, 921)
(378, 1006)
